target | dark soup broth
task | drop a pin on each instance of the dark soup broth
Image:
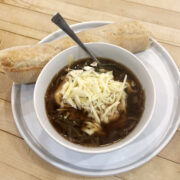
(69, 121)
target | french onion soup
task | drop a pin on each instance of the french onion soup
(94, 106)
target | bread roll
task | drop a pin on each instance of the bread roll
(23, 64)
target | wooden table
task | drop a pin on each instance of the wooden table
(26, 22)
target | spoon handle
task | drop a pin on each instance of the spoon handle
(59, 21)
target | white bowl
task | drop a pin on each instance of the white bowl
(101, 50)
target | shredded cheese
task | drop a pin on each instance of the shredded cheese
(94, 92)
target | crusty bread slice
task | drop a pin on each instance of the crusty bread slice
(23, 64)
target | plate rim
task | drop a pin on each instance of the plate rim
(91, 172)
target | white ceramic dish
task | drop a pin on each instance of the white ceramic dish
(103, 50)
(158, 133)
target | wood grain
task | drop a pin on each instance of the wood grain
(173, 5)
(163, 33)
(26, 22)
(173, 51)
(5, 90)
(27, 18)
(156, 169)
(22, 30)
(11, 173)
(8, 39)
(137, 11)
(172, 151)
(22, 157)
(7, 123)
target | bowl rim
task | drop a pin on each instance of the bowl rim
(102, 149)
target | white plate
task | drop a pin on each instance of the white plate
(160, 130)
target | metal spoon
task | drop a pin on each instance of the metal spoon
(60, 22)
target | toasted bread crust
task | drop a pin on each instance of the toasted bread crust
(23, 64)
(28, 76)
